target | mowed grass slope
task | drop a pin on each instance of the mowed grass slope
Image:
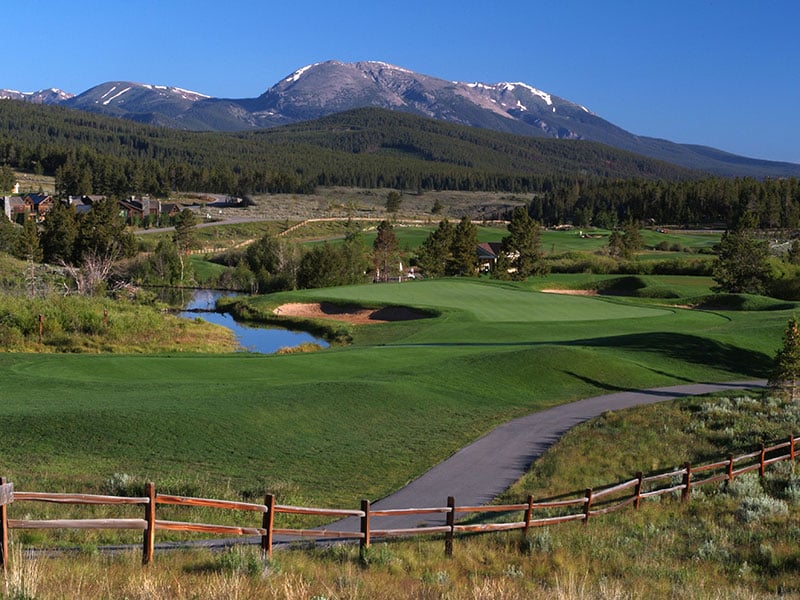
(360, 421)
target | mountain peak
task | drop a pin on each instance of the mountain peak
(49, 96)
(323, 88)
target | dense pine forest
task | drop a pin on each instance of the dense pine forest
(364, 148)
(569, 181)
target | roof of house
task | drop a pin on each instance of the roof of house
(489, 249)
(37, 199)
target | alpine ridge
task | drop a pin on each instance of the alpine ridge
(330, 87)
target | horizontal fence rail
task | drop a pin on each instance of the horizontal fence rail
(576, 506)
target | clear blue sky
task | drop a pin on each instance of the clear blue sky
(723, 73)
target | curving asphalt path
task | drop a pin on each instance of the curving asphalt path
(479, 472)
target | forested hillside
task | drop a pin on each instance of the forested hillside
(365, 148)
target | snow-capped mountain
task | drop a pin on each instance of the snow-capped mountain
(51, 96)
(325, 88)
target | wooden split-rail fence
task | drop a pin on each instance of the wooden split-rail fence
(577, 506)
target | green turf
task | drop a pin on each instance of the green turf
(357, 421)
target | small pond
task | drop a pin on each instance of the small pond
(251, 338)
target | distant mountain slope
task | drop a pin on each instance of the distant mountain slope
(368, 147)
(331, 87)
(51, 96)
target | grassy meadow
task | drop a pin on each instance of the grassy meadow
(360, 420)
(728, 542)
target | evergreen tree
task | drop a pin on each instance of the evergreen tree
(274, 262)
(28, 246)
(356, 258)
(632, 240)
(385, 252)
(165, 265)
(786, 370)
(185, 224)
(616, 244)
(59, 234)
(322, 266)
(101, 232)
(264, 254)
(523, 245)
(393, 201)
(742, 265)
(435, 254)
(8, 235)
(7, 179)
(465, 249)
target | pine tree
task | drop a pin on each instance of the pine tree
(786, 371)
(28, 246)
(183, 237)
(59, 233)
(742, 265)
(523, 245)
(434, 255)
(385, 252)
(465, 248)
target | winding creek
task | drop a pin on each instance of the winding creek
(251, 338)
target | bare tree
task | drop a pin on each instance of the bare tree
(92, 276)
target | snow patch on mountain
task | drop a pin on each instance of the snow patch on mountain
(115, 96)
(294, 77)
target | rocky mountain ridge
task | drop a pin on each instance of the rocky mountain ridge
(331, 87)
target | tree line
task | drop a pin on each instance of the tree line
(370, 148)
(766, 204)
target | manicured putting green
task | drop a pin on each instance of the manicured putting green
(489, 302)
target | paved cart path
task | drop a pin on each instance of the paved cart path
(479, 472)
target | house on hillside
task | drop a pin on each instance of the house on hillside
(170, 209)
(488, 253)
(15, 208)
(83, 204)
(38, 205)
(138, 209)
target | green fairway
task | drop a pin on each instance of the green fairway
(362, 420)
(487, 302)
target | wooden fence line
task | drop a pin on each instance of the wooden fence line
(586, 505)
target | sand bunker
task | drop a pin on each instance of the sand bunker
(571, 292)
(349, 314)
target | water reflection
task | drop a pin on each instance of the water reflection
(251, 338)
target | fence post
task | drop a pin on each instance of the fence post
(451, 523)
(587, 507)
(761, 466)
(4, 531)
(41, 327)
(791, 450)
(528, 516)
(267, 522)
(730, 469)
(149, 542)
(365, 539)
(687, 482)
(639, 484)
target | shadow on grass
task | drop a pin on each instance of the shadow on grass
(613, 388)
(690, 348)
